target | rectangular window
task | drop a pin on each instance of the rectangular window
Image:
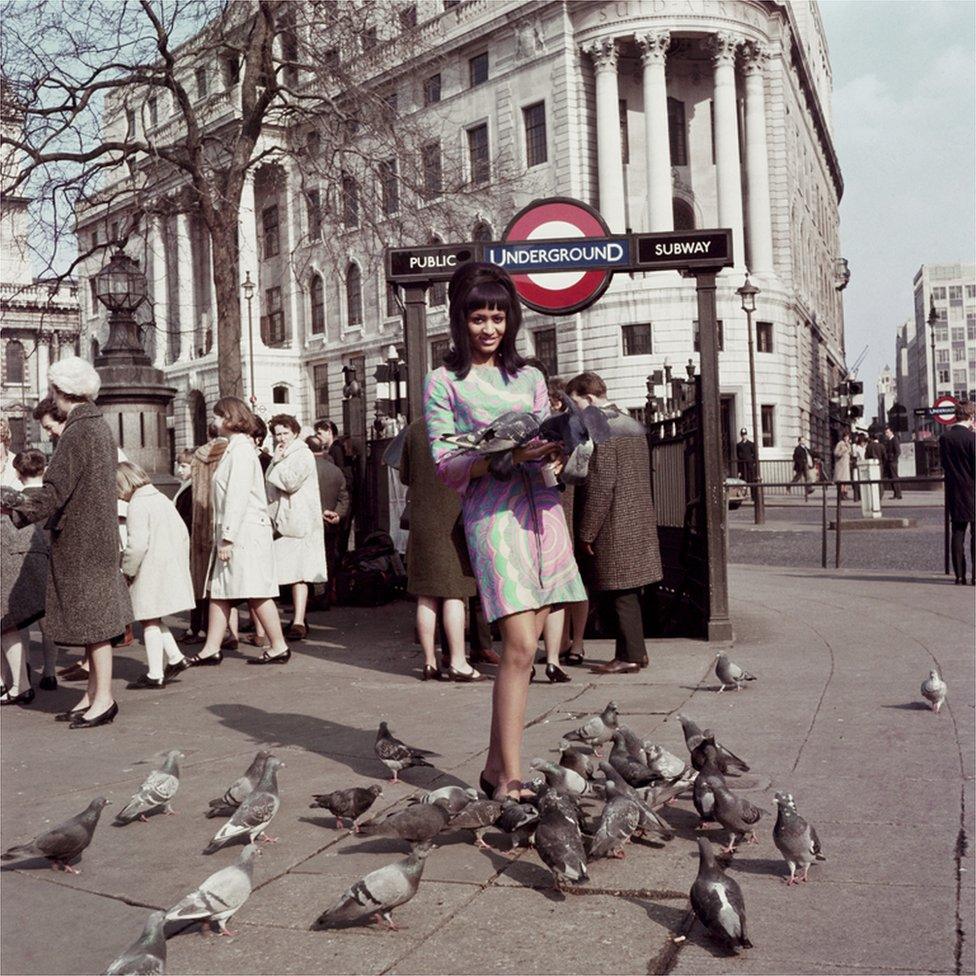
(942, 356)
(231, 68)
(289, 54)
(269, 225)
(274, 317)
(438, 350)
(942, 333)
(391, 105)
(320, 380)
(721, 335)
(624, 131)
(545, 350)
(637, 339)
(939, 294)
(392, 306)
(942, 314)
(432, 89)
(368, 38)
(437, 296)
(478, 69)
(350, 201)
(958, 334)
(678, 133)
(201, 76)
(955, 294)
(153, 105)
(389, 186)
(764, 336)
(313, 206)
(478, 154)
(430, 161)
(318, 305)
(534, 119)
(93, 291)
(408, 17)
(971, 291)
(767, 414)
(944, 376)
(971, 326)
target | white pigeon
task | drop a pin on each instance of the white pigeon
(220, 896)
(157, 790)
(934, 690)
(729, 673)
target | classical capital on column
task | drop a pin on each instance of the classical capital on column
(653, 46)
(722, 47)
(754, 55)
(603, 50)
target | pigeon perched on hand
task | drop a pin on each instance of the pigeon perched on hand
(157, 790)
(374, 897)
(717, 902)
(347, 804)
(397, 755)
(220, 896)
(560, 778)
(64, 843)
(729, 764)
(225, 805)
(618, 822)
(795, 839)
(737, 815)
(934, 691)
(477, 816)
(417, 824)
(729, 673)
(559, 842)
(254, 814)
(597, 729)
(147, 955)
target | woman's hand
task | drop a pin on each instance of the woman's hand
(279, 453)
(331, 518)
(225, 550)
(535, 451)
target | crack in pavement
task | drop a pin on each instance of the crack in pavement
(88, 891)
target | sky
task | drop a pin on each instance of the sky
(904, 114)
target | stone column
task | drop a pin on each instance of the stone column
(759, 225)
(727, 169)
(160, 289)
(247, 245)
(293, 293)
(186, 305)
(610, 164)
(653, 46)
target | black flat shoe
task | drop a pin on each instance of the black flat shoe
(106, 718)
(172, 670)
(267, 658)
(556, 675)
(486, 787)
(144, 681)
(210, 661)
(69, 716)
(48, 683)
(24, 698)
(571, 658)
(465, 677)
(431, 674)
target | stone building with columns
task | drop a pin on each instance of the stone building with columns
(664, 114)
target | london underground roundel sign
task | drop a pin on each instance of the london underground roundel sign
(552, 224)
(943, 411)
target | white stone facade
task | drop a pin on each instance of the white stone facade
(703, 113)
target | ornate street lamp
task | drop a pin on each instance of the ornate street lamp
(121, 287)
(933, 322)
(747, 293)
(248, 287)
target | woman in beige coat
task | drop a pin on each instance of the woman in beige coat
(296, 510)
(156, 562)
(242, 564)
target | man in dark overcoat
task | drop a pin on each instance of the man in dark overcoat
(334, 496)
(957, 454)
(892, 450)
(618, 529)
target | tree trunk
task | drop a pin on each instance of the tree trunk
(227, 288)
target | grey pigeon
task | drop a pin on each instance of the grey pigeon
(396, 755)
(417, 824)
(457, 797)
(635, 772)
(575, 758)
(478, 816)
(737, 815)
(157, 790)
(375, 896)
(252, 817)
(729, 764)
(703, 791)
(663, 763)
(518, 820)
(560, 778)
(597, 729)
(225, 805)
(220, 896)
(693, 734)
(795, 839)
(632, 741)
(62, 844)
(934, 691)
(618, 821)
(650, 820)
(347, 804)
(147, 955)
(729, 673)
(717, 902)
(559, 842)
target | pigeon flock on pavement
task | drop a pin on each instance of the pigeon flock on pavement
(578, 810)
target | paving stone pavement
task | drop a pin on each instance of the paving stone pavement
(835, 718)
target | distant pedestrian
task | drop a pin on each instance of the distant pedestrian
(745, 456)
(803, 466)
(957, 454)
(342, 452)
(334, 499)
(156, 562)
(183, 499)
(842, 463)
(858, 455)
(8, 476)
(892, 451)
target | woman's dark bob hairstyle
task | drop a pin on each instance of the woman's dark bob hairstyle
(473, 286)
(238, 418)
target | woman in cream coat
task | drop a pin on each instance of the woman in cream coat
(242, 563)
(296, 508)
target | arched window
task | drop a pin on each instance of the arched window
(280, 393)
(438, 291)
(677, 132)
(14, 366)
(317, 292)
(482, 232)
(684, 216)
(354, 295)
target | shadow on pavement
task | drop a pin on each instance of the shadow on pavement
(872, 578)
(915, 706)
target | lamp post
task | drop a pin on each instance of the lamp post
(393, 382)
(748, 293)
(248, 286)
(933, 322)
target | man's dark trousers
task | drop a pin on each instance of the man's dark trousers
(621, 610)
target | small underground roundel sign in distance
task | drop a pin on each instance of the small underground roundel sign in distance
(550, 234)
(943, 411)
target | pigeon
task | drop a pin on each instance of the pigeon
(729, 764)
(795, 839)
(636, 773)
(597, 729)
(255, 812)
(729, 673)
(478, 815)
(934, 690)
(649, 819)
(225, 805)
(63, 843)
(703, 791)
(157, 790)
(147, 955)
(417, 824)
(220, 896)
(375, 896)
(396, 755)
(618, 821)
(518, 820)
(560, 778)
(457, 797)
(664, 764)
(635, 748)
(347, 804)
(737, 815)
(716, 900)
(575, 758)
(559, 842)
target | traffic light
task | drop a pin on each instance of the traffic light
(855, 402)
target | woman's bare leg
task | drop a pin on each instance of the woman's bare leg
(15, 644)
(299, 600)
(50, 651)
(552, 634)
(266, 613)
(453, 611)
(217, 620)
(426, 628)
(576, 626)
(99, 678)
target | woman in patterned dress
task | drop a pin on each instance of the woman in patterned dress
(517, 538)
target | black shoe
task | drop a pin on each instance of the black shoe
(69, 716)
(464, 677)
(24, 698)
(172, 670)
(48, 683)
(556, 675)
(106, 718)
(144, 681)
(571, 658)
(431, 674)
(267, 658)
(211, 661)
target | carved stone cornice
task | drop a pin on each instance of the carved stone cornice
(722, 47)
(755, 57)
(653, 46)
(603, 51)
